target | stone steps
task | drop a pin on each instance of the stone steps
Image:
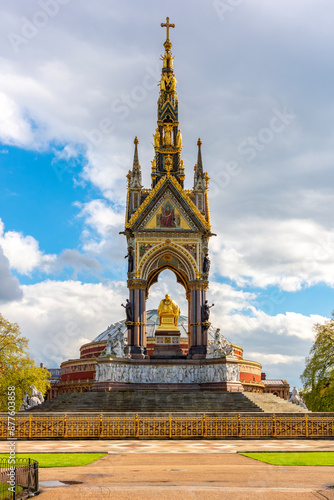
(273, 404)
(150, 401)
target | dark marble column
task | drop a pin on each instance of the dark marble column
(136, 328)
(198, 336)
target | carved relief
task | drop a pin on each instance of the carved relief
(129, 373)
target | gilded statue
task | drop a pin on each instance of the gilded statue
(156, 138)
(168, 135)
(163, 83)
(179, 139)
(173, 84)
(167, 60)
(168, 308)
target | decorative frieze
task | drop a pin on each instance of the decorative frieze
(134, 373)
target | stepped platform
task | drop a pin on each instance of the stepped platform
(166, 401)
(273, 404)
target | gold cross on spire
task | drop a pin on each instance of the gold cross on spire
(167, 25)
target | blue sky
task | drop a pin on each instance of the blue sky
(79, 81)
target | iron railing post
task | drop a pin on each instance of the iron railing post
(100, 425)
(274, 426)
(136, 426)
(306, 425)
(30, 419)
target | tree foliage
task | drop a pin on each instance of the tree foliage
(17, 369)
(318, 376)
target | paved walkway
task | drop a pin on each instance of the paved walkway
(194, 470)
(177, 446)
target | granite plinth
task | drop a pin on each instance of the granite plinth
(167, 344)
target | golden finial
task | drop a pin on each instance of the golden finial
(199, 143)
(136, 141)
(167, 25)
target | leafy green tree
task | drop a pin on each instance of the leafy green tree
(318, 376)
(17, 369)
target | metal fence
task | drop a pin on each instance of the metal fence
(169, 426)
(18, 478)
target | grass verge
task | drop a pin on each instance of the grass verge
(294, 458)
(60, 459)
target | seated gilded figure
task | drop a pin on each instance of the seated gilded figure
(169, 313)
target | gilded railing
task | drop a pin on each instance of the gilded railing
(172, 426)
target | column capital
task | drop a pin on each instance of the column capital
(198, 285)
(136, 284)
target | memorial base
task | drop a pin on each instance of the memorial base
(167, 344)
(197, 352)
(169, 374)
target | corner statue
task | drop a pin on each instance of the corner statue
(168, 307)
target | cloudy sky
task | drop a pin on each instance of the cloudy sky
(78, 81)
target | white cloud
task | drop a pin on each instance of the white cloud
(275, 359)
(58, 317)
(23, 252)
(100, 237)
(100, 216)
(264, 251)
(25, 256)
(9, 284)
(14, 128)
(78, 261)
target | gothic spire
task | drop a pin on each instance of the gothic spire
(199, 166)
(199, 176)
(167, 136)
(136, 166)
(135, 176)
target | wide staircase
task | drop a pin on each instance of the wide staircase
(164, 401)
(273, 404)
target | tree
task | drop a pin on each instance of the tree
(17, 369)
(318, 376)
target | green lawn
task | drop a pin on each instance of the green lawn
(294, 458)
(60, 459)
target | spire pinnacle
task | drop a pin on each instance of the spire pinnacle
(199, 168)
(136, 166)
(167, 136)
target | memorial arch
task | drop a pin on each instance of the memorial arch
(167, 226)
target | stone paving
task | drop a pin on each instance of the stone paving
(172, 446)
(168, 470)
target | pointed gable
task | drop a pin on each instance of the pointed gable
(168, 208)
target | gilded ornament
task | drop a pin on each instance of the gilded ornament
(156, 137)
(179, 143)
(167, 25)
(167, 134)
